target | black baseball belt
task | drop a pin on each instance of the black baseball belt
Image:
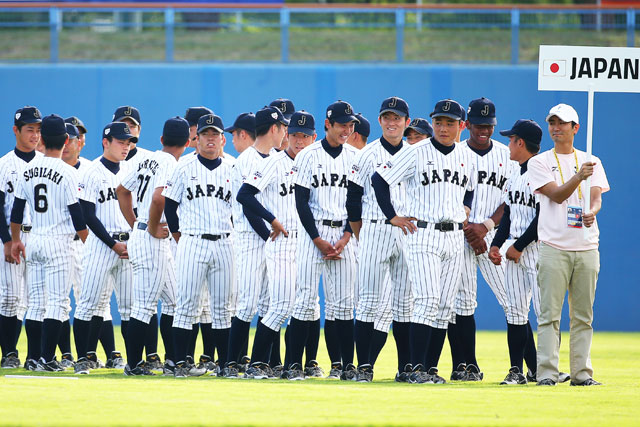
(121, 237)
(332, 223)
(440, 226)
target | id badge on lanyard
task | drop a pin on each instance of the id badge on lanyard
(574, 216)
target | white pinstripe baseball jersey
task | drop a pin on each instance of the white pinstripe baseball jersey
(99, 187)
(367, 160)
(521, 201)
(204, 196)
(150, 173)
(436, 183)
(494, 169)
(274, 179)
(49, 186)
(326, 178)
(246, 164)
(83, 167)
(12, 166)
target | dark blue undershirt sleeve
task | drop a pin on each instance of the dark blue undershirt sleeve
(530, 234)
(17, 211)
(347, 228)
(383, 194)
(94, 224)
(468, 199)
(304, 211)
(4, 228)
(247, 197)
(171, 214)
(257, 223)
(354, 202)
(77, 217)
(502, 234)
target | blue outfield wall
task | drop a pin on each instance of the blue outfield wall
(160, 91)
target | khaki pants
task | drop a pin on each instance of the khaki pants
(577, 272)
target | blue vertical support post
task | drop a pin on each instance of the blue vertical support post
(515, 36)
(54, 29)
(631, 27)
(285, 19)
(169, 24)
(400, 35)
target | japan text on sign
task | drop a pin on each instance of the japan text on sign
(574, 68)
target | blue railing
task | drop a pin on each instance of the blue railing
(290, 17)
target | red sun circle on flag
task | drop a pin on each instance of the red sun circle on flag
(554, 68)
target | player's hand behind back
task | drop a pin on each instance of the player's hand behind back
(121, 249)
(17, 249)
(495, 256)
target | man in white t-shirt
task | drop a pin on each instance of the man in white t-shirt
(568, 234)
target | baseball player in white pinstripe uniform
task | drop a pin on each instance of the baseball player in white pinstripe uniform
(201, 189)
(520, 221)
(383, 271)
(494, 168)
(12, 276)
(440, 179)
(131, 116)
(251, 280)
(50, 187)
(275, 180)
(149, 249)
(105, 261)
(321, 172)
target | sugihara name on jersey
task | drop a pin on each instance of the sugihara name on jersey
(42, 172)
(211, 191)
(442, 175)
(322, 181)
(493, 179)
(521, 198)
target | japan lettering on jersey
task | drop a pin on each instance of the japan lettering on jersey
(436, 183)
(150, 173)
(326, 178)
(367, 160)
(49, 186)
(205, 197)
(245, 166)
(11, 168)
(98, 186)
(494, 169)
(522, 203)
(275, 181)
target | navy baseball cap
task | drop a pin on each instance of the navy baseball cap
(301, 121)
(77, 123)
(422, 126)
(127, 112)
(118, 130)
(362, 126)
(245, 121)
(176, 128)
(482, 111)
(395, 105)
(270, 115)
(53, 126)
(210, 121)
(72, 131)
(525, 129)
(27, 114)
(284, 105)
(341, 112)
(448, 108)
(194, 113)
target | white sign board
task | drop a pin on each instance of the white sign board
(575, 68)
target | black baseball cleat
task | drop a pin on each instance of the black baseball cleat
(33, 365)
(403, 376)
(294, 373)
(460, 373)
(50, 366)
(336, 371)
(141, 369)
(230, 370)
(181, 370)
(115, 361)
(514, 377)
(349, 373)
(435, 378)
(420, 376)
(244, 363)
(255, 371)
(66, 361)
(94, 362)
(473, 373)
(365, 373)
(277, 372)
(82, 366)
(10, 361)
(586, 383)
(168, 369)
(154, 363)
(546, 381)
(312, 369)
(206, 363)
(531, 376)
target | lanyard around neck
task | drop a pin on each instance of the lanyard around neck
(560, 170)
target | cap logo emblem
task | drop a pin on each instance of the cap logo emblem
(414, 122)
(107, 130)
(275, 116)
(210, 120)
(348, 109)
(75, 122)
(126, 129)
(447, 106)
(36, 114)
(485, 110)
(329, 113)
(302, 120)
(284, 107)
(127, 112)
(18, 115)
(393, 102)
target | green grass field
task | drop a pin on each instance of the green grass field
(106, 397)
